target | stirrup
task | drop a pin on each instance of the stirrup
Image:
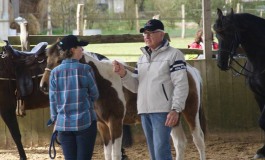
(20, 109)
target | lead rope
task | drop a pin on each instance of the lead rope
(52, 146)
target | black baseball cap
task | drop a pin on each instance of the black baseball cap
(71, 41)
(152, 25)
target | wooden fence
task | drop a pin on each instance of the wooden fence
(229, 104)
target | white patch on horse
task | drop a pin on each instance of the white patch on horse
(105, 69)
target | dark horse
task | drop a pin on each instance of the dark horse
(19, 81)
(248, 31)
(115, 104)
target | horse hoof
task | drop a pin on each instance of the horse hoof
(259, 156)
(260, 153)
(124, 157)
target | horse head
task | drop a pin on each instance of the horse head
(227, 36)
(54, 58)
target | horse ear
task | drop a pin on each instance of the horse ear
(6, 41)
(58, 39)
(219, 13)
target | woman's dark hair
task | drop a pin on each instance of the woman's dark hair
(65, 53)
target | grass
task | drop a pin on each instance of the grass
(130, 51)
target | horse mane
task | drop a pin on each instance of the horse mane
(99, 78)
(243, 20)
(53, 48)
(106, 61)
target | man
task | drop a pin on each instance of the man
(160, 79)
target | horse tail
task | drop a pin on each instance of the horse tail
(202, 117)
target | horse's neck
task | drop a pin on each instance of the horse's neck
(91, 54)
(105, 70)
(252, 41)
(104, 67)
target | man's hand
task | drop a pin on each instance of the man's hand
(172, 119)
(119, 68)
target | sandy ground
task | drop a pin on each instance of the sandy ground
(219, 146)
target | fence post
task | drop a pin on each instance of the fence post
(183, 20)
(24, 36)
(137, 17)
(4, 19)
(49, 23)
(80, 18)
(238, 8)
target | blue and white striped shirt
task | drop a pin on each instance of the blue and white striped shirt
(72, 93)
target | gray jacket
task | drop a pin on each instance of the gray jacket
(160, 79)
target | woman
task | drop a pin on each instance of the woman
(72, 93)
(198, 44)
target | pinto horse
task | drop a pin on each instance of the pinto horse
(248, 31)
(115, 105)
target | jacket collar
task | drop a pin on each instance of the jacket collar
(147, 51)
(69, 60)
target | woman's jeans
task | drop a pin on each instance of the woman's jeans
(78, 145)
(157, 135)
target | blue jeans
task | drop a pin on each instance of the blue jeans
(78, 145)
(157, 135)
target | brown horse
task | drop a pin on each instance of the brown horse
(19, 82)
(115, 101)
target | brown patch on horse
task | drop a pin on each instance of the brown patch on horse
(108, 106)
(191, 107)
(131, 116)
(103, 128)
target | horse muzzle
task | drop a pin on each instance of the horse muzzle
(44, 87)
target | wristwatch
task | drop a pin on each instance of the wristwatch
(175, 110)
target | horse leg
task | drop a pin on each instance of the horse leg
(127, 140)
(116, 136)
(105, 136)
(198, 139)
(179, 140)
(261, 152)
(10, 120)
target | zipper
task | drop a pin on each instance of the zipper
(164, 91)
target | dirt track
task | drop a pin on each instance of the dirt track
(225, 146)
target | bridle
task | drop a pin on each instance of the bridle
(232, 54)
(47, 69)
